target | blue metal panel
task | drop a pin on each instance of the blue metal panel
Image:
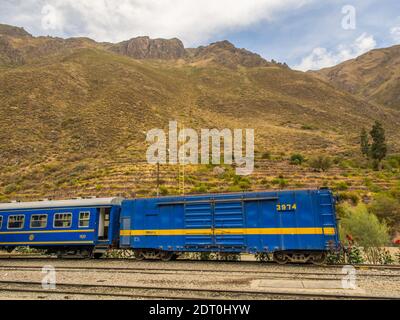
(229, 214)
(327, 216)
(198, 215)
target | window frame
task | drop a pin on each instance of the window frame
(66, 213)
(88, 219)
(42, 214)
(16, 215)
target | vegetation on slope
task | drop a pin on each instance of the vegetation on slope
(74, 115)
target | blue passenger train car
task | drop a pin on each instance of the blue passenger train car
(295, 226)
(86, 227)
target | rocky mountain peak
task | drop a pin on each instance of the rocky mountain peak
(225, 53)
(146, 48)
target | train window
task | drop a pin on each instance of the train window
(39, 221)
(16, 222)
(1, 221)
(62, 220)
(84, 218)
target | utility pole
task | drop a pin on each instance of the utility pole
(158, 179)
(181, 166)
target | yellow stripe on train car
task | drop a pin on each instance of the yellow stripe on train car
(230, 231)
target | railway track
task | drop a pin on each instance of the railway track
(311, 266)
(154, 292)
(272, 274)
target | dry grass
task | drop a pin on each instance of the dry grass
(73, 119)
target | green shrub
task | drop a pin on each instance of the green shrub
(243, 182)
(387, 207)
(351, 197)
(164, 190)
(376, 255)
(354, 255)
(201, 188)
(10, 188)
(234, 189)
(265, 183)
(266, 155)
(371, 186)
(349, 254)
(392, 161)
(322, 163)
(297, 159)
(341, 186)
(386, 257)
(281, 182)
(363, 226)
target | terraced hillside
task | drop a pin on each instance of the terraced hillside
(74, 115)
(125, 176)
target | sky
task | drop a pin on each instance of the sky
(306, 34)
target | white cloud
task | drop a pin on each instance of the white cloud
(193, 21)
(323, 58)
(395, 32)
(51, 19)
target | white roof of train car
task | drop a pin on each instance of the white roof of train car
(61, 203)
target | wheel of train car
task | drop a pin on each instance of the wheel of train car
(166, 256)
(97, 255)
(174, 257)
(139, 255)
(319, 258)
(86, 254)
(280, 258)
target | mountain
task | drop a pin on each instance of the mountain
(13, 31)
(74, 113)
(146, 48)
(226, 54)
(374, 76)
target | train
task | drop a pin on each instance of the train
(292, 226)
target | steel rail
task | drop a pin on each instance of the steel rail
(209, 293)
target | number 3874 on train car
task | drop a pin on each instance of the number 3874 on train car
(286, 207)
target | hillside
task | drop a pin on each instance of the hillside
(374, 76)
(74, 114)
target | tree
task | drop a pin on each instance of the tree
(363, 226)
(364, 143)
(378, 147)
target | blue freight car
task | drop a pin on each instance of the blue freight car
(296, 226)
(82, 227)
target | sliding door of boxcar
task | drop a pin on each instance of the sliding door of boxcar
(198, 225)
(229, 224)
